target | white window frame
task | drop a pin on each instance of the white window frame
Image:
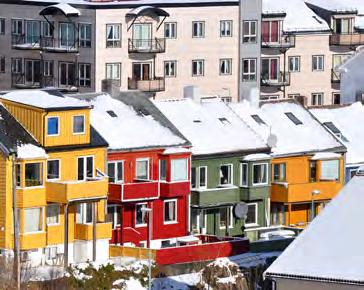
(42, 217)
(13, 26)
(200, 67)
(231, 173)
(84, 124)
(42, 172)
(116, 222)
(315, 61)
(82, 75)
(338, 170)
(251, 37)
(58, 127)
(175, 159)
(48, 68)
(317, 99)
(198, 180)
(175, 209)
(115, 75)
(115, 40)
(85, 166)
(116, 172)
(148, 168)
(296, 63)
(135, 220)
(83, 214)
(227, 64)
(224, 30)
(242, 165)
(200, 31)
(256, 215)
(173, 32)
(83, 36)
(168, 64)
(267, 176)
(160, 169)
(58, 214)
(59, 169)
(230, 221)
(247, 76)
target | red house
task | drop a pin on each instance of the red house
(148, 167)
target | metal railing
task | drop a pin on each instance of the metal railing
(156, 45)
(18, 81)
(282, 79)
(25, 42)
(283, 41)
(347, 39)
(52, 44)
(152, 85)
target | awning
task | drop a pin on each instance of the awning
(63, 8)
(146, 10)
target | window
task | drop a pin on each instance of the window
(244, 174)
(113, 38)
(226, 217)
(50, 253)
(33, 174)
(85, 167)
(53, 126)
(226, 28)
(2, 64)
(113, 71)
(258, 119)
(294, 63)
(163, 169)
(198, 67)
(342, 25)
(111, 113)
(250, 31)
(2, 26)
(293, 118)
(84, 213)
(198, 29)
(16, 26)
(270, 69)
(18, 174)
(53, 211)
(270, 31)
(32, 31)
(33, 220)
(67, 74)
(336, 98)
(278, 214)
(53, 169)
(170, 30)
(318, 63)
(79, 124)
(84, 74)
(317, 99)
(249, 69)
(115, 171)
(252, 215)
(47, 30)
(353, 172)
(202, 176)
(313, 171)
(85, 35)
(260, 174)
(48, 68)
(279, 172)
(113, 215)
(226, 172)
(67, 35)
(193, 177)
(16, 66)
(170, 211)
(170, 68)
(330, 170)
(335, 131)
(179, 169)
(142, 169)
(140, 215)
(225, 66)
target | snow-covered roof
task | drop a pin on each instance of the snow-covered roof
(347, 120)
(299, 17)
(331, 247)
(30, 151)
(63, 8)
(211, 126)
(43, 99)
(339, 5)
(176, 150)
(124, 128)
(255, 157)
(272, 122)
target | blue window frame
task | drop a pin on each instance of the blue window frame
(53, 128)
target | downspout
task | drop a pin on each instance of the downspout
(66, 235)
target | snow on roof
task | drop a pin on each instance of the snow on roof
(43, 99)
(259, 156)
(331, 247)
(339, 5)
(325, 156)
(30, 151)
(124, 128)
(281, 133)
(347, 120)
(298, 18)
(211, 126)
(176, 150)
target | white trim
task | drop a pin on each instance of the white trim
(159, 170)
(148, 168)
(230, 222)
(43, 220)
(115, 215)
(256, 215)
(267, 171)
(43, 175)
(59, 169)
(231, 175)
(85, 166)
(175, 209)
(115, 162)
(247, 174)
(84, 124)
(198, 175)
(135, 220)
(58, 126)
(59, 213)
(183, 180)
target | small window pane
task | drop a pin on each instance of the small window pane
(260, 174)
(142, 170)
(78, 124)
(203, 177)
(33, 174)
(53, 211)
(244, 174)
(252, 214)
(163, 169)
(53, 126)
(33, 220)
(111, 172)
(179, 169)
(140, 218)
(170, 211)
(53, 169)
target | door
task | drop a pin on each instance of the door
(67, 35)
(67, 74)
(142, 35)
(270, 69)
(142, 71)
(32, 72)
(270, 31)
(32, 32)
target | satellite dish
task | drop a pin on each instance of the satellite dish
(272, 140)
(241, 210)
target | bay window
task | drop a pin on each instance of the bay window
(33, 220)
(142, 169)
(260, 174)
(33, 174)
(170, 211)
(179, 168)
(330, 170)
(226, 172)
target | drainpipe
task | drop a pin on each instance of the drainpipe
(66, 235)
(94, 216)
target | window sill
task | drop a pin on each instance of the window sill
(141, 225)
(53, 225)
(225, 185)
(251, 225)
(170, 223)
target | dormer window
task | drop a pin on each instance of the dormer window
(342, 25)
(53, 126)
(79, 124)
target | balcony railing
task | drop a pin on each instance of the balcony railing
(25, 42)
(173, 189)
(335, 76)
(284, 41)
(351, 39)
(283, 79)
(19, 81)
(138, 190)
(152, 85)
(156, 45)
(51, 44)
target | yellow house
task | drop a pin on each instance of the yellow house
(59, 161)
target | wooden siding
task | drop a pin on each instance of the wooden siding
(85, 231)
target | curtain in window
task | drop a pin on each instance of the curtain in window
(274, 31)
(179, 169)
(265, 31)
(32, 220)
(330, 170)
(171, 209)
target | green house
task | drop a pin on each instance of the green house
(230, 167)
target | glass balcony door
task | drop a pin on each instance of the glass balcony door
(67, 35)
(32, 72)
(270, 69)
(32, 31)
(270, 31)
(67, 74)
(142, 71)
(142, 35)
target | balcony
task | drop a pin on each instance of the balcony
(157, 45)
(151, 85)
(25, 42)
(19, 81)
(282, 42)
(208, 197)
(283, 79)
(173, 189)
(51, 44)
(351, 39)
(139, 190)
(65, 191)
(85, 231)
(335, 76)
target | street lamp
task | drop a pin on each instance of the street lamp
(314, 192)
(150, 230)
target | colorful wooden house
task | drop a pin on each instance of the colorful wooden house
(230, 165)
(308, 162)
(342, 121)
(148, 167)
(61, 188)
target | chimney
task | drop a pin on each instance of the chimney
(192, 92)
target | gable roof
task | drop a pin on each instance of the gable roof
(348, 120)
(305, 137)
(211, 126)
(331, 247)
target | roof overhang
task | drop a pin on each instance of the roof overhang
(147, 10)
(61, 8)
